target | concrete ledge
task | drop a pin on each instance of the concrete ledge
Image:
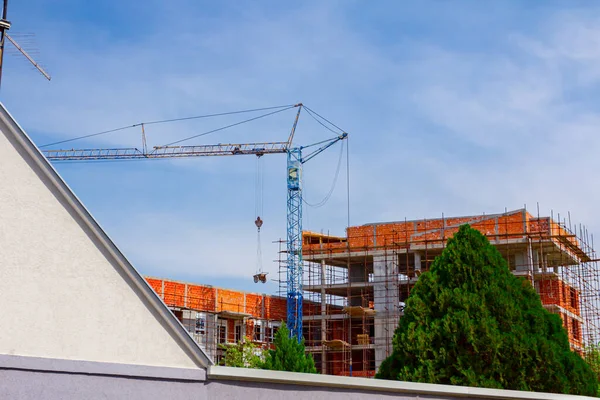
(39, 364)
(373, 385)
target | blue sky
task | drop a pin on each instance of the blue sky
(458, 107)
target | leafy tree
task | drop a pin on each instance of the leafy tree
(289, 355)
(243, 354)
(469, 321)
(592, 357)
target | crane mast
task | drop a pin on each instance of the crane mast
(295, 161)
(295, 269)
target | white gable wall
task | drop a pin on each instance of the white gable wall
(60, 296)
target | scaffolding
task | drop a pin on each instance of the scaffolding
(355, 287)
(216, 318)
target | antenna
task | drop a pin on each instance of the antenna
(31, 60)
(5, 26)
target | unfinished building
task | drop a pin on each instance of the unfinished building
(355, 286)
(216, 317)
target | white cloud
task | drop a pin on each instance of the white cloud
(527, 136)
(432, 129)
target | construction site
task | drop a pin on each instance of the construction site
(216, 316)
(427, 308)
(345, 295)
(355, 287)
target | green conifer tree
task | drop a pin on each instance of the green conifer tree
(469, 321)
(289, 355)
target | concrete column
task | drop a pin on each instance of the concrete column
(216, 299)
(526, 261)
(210, 344)
(537, 260)
(356, 273)
(531, 264)
(386, 298)
(323, 320)
(417, 262)
(185, 295)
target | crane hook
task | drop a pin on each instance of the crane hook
(258, 222)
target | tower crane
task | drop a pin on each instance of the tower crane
(296, 157)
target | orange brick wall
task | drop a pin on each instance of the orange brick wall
(230, 300)
(310, 308)
(210, 299)
(395, 234)
(254, 304)
(337, 363)
(338, 331)
(155, 284)
(275, 308)
(174, 294)
(558, 292)
(359, 236)
(539, 225)
(511, 225)
(574, 329)
(201, 297)
(487, 227)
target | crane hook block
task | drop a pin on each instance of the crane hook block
(262, 277)
(258, 222)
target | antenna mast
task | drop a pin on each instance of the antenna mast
(4, 26)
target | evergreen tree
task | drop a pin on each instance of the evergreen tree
(469, 321)
(288, 354)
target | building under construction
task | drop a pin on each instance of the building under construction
(216, 317)
(355, 286)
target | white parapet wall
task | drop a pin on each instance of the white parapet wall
(231, 383)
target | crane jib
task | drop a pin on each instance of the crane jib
(295, 160)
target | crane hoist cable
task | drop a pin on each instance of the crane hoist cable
(324, 123)
(259, 187)
(260, 275)
(333, 184)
